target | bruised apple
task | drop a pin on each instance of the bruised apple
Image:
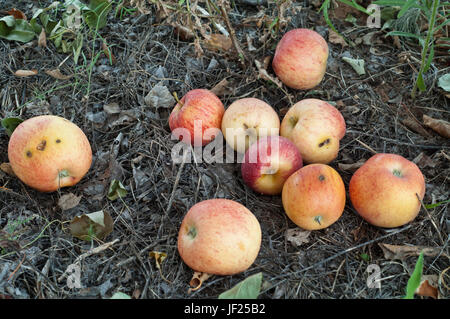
(220, 237)
(315, 127)
(269, 162)
(300, 59)
(386, 189)
(49, 152)
(196, 118)
(314, 196)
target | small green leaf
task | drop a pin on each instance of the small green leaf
(431, 206)
(414, 280)
(429, 59)
(96, 16)
(249, 288)
(364, 257)
(116, 190)
(420, 82)
(120, 295)
(444, 82)
(10, 124)
(16, 29)
(356, 64)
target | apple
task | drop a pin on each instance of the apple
(315, 127)
(300, 59)
(219, 237)
(246, 120)
(269, 162)
(196, 118)
(314, 196)
(384, 190)
(48, 152)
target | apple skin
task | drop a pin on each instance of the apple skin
(246, 120)
(300, 59)
(315, 127)
(269, 162)
(43, 146)
(314, 196)
(383, 190)
(197, 105)
(220, 237)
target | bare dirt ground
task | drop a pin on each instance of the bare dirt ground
(149, 50)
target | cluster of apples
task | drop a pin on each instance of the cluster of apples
(221, 236)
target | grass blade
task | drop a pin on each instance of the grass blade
(414, 280)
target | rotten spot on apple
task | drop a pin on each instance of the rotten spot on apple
(41, 145)
(327, 141)
(29, 154)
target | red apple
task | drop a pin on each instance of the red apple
(246, 120)
(269, 162)
(49, 152)
(300, 59)
(314, 196)
(220, 237)
(196, 118)
(315, 127)
(384, 190)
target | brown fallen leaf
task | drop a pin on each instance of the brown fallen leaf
(422, 160)
(352, 166)
(42, 41)
(415, 126)
(218, 42)
(263, 74)
(17, 14)
(159, 258)
(428, 287)
(401, 252)
(68, 201)
(335, 38)
(183, 32)
(297, 236)
(56, 73)
(6, 167)
(198, 278)
(221, 88)
(25, 73)
(439, 126)
(94, 225)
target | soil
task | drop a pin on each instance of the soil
(131, 142)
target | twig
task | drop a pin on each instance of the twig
(431, 219)
(17, 268)
(367, 146)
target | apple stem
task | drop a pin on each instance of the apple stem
(192, 232)
(318, 219)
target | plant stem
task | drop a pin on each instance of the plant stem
(426, 45)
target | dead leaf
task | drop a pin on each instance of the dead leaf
(428, 287)
(415, 126)
(159, 258)
(221, 88)
(218, 42)
(297, 236)
(6, 167)
(25, 73)
(183, 32)
(402, 252)
(250, 45)
(262, 74)
(56, 73)
(68, 201)
(335, 38)
(17, 14)
(112, 108)
(42, 41)
(439, 126)
(108, 53)
(94, 225)
(197, 280)
(352, 166)
(422, 160)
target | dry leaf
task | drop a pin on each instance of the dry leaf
(25, 73)
(428, 287)
(42, 41)
(262, 74)
(335, 38)
(56, 73)
(108, 52)
(402, 252)
(94, 225)
(159, 258)
(422, 160)
(297, 236)
(351, 167)
(221, 88)
(197, 280)
(112, 108)
(17, 14)
(183, 32)
(415, 126)
(68, 201)
(6, 167)
(218, 42)
(439, 126)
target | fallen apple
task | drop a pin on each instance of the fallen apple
(220, 237)
(269, 162)
(314, 196)
(246, 120)
(315, 127)
(48, 152)
(196, 118)
(300, 59)
(386, 189)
